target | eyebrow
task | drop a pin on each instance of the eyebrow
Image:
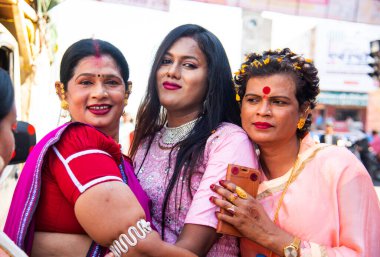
(95, 75)
(273, 96)
(184, 56)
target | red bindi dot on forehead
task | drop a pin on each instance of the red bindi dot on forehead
(266, 90)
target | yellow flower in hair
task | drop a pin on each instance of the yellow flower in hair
(267, 60)
(244, 66)
(279, 59)
(308, 60)
(237, 73)
(296, 66)
(257, 63)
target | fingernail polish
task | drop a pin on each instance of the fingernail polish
(211, 199)
(212, 186)
(222, 182)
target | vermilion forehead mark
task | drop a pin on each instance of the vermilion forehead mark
(97, 53)
(266, 90)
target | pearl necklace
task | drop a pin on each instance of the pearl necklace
(171, 136)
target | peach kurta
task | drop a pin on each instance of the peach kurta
(331, 205)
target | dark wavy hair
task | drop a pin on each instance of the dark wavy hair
(219, 106)
(303, 72)
(91, 47)
(6, 94)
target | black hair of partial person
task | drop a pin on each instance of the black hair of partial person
(374, 132)
(91, 47)
(284, 61)
(219, 106)
(6, 94)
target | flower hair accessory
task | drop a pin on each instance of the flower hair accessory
(270, 61)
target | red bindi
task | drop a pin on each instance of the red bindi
(266, 90)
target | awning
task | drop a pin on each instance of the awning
(20, 19)
(343, 98)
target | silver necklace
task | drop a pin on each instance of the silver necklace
(171, 136)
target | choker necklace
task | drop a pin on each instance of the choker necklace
(171, 136)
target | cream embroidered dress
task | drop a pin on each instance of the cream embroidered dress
(229, 144)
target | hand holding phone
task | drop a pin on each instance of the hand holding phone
(246, 178)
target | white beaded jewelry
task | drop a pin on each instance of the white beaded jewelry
(121, 246)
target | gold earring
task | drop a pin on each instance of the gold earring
(301, 123)
(60, 90)
(237, 96)
(64, 105)
(128, 92)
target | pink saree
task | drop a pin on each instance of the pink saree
(331, 206)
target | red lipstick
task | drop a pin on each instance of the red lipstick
(171, 86)
(99, 109)
(262, 125)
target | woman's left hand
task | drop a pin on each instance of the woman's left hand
(249, 217)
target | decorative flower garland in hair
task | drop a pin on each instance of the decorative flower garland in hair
(258, 61)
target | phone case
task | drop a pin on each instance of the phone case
(246, 178)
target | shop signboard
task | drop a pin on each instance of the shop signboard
(342, 56)
(343, 98)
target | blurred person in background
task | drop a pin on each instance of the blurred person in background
(7, 146)
(375, 144)
(77, 194)
(187, 132)
(126, 128)
(314, 199)
(329, 137)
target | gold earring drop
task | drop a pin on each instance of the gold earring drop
(301, 123)
(128, 92)
(60, 90)
(237, 96)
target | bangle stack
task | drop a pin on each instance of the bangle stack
(122, 245)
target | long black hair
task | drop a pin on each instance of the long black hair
(91, 47)
(6, 94)
(219, 106)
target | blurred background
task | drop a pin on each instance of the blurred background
(342, 37)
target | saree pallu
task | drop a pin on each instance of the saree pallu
(20, 223)
(331, 205)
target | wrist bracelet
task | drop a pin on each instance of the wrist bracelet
(122, 245)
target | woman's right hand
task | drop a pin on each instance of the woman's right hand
(250, 218)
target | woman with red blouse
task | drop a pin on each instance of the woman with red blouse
(76, 183)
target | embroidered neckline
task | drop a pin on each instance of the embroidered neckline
(171, 136)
